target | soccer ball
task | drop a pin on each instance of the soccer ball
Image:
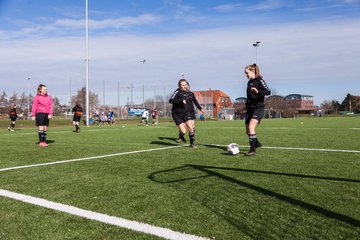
(233, 149)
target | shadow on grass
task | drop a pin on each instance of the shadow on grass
(181, 174)
(47, 141)
(163, 143)
(168, 138)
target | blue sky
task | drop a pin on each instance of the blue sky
(307, 47)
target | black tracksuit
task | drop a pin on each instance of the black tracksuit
(256, 100)
(181, 110)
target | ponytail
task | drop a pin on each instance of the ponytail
(254, 68)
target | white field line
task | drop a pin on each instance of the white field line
(117, 221)
(87, 158)
(299, 149)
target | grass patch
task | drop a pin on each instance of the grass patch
(279, 194)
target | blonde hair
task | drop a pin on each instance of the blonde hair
(254, 68)
(39, 88)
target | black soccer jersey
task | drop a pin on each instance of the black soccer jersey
(255, 100)
(181, 108)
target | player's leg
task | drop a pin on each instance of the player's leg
(190, 124)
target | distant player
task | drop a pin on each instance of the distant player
(154, 116)
(42, 111)
(255, 106)
(77, 111)
(144, 117)
(183, 111)
(13, 116)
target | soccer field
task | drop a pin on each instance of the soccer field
(135, 182)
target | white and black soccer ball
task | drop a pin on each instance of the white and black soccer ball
(233, 148)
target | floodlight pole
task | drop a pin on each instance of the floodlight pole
(28, 113)
(87, 60)
(256, 45)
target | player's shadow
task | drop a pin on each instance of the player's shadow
(181, 178)
(47, 141)
(163, 143)
(168, 138)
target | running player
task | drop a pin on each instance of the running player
(13, 116)
(255, 106)
(183, 111)
(77, 111)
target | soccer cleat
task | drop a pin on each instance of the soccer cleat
(9, 129)
(181, 140)
(250, 153)
(193, 145)
(12, 130)
(43, 144)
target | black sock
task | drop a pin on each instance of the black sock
(192, 137)
(181, 136)
(40, 133)
(44, 136)
(252, 141)
(77, 127)
(12, 126)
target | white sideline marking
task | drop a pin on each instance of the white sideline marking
(87, 158)
(300, 149)
(120, 222)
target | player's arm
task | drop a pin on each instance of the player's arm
(263, 89)
(197, 103)
(176, 97)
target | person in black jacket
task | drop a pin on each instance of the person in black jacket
(183, 111)
(13, 116)
(255, 106)
(77, 111)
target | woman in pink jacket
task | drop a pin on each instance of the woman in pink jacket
(41, 112)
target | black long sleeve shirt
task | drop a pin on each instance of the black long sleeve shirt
(255, 100)
(178, 105)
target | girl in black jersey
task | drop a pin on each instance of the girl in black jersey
(77, 111)
(13, 116)
(183, 111)
(255, 106)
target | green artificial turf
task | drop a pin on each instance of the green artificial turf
(293, 191)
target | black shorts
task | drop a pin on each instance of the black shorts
(254, 113)
(42, 119)
(76, 118)
(13, 119)
(182, 118)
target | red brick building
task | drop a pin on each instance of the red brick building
(213, 101)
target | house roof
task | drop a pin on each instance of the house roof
(211, 96)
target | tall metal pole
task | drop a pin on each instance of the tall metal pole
(104, 95)
(256, 44)
(143, 93)
(28, 113)
(87, 61)
(131, 94)
(70, 95)
(118, 102)
(164, 103)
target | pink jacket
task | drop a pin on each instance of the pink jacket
(42, 104)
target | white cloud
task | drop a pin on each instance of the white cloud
(65, 25)
(314, 58)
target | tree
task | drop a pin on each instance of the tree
(336, 106)
(57, 108)
(81, 98)
(3, 99)
(348, 103)
(13, 99)
(327, 106)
